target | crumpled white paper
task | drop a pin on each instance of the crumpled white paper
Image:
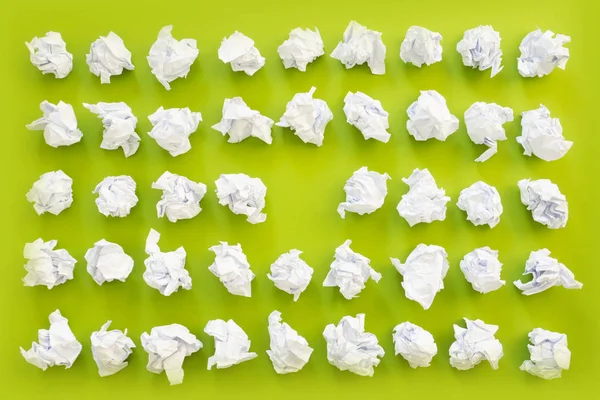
(165, 272)
(360, 45)
(482, 269)
(170, 58)
(301, 48)
(475, 344)
(243, 195)
(231, 344)
(423, 273)
(116, 196)
(58, 123)
(107, 261)
(119, 126)
(232, 268)
(484, 126)
(56, 346)
(181, 197)
(240, 122)
(171, 128)
(424, 202)
(365, 192)
(480, 48)
(46, 266)
(429, 117)
(352, 349)
(239, 51)
(49, 54)
(108, 56)
(110, 349)
(421, 46)
(546, 272)
(482, 204)
(289, 351)
(290, 273)
(51, 193)
(350, 271)
(167, 346)
(307, 117)
(547, 204)
(549, 354)
(367, 115)
(542, 135)
(541, 53)
(415, 344)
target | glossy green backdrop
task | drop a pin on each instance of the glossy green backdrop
(304, 187)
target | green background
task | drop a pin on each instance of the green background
(304, 187)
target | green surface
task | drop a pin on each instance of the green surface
(304, 187)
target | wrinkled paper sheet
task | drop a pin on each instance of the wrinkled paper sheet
(167, 347)
(360, 45)
(350, 271)
(289, 351)
(56, 346)
(350, 348)
(232, 345)
(423, 273)
(546, 272)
